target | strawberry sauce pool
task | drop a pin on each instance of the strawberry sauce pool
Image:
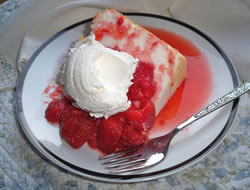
(193, 93)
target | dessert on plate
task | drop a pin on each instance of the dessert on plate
(115, 82)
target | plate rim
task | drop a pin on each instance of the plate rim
(106, 177)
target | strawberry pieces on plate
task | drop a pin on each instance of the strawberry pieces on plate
(55, 110)
(119, 131)
(77, 127)
(143, 83)
(142, 118)
(131, 137)
(110, 131)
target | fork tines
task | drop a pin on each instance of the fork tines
(121, 161)
(117, 154)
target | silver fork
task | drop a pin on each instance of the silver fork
(155, 150)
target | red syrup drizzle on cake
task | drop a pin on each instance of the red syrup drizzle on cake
(193, 93)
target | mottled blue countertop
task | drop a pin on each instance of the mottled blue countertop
(21, 167)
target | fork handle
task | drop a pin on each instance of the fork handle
(237, 92)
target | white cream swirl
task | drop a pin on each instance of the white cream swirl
(98, 78)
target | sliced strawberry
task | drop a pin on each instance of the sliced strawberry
(148, 88)
(69, 132)
(143, 83)
(134, 92)
(71, 110)
(141, 117)
(77, 127)
(55, 110)
(109, 134)
(93, 142)
(131, 137)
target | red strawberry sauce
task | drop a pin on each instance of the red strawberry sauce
(131, 127)
(193, 93)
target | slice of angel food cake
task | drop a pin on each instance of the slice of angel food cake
(116, 31)
(115, 83)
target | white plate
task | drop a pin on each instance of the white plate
(188, 147)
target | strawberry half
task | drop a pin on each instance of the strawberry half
(55, 110)
(143, 83)
(142, 118)
(109, 134)
(131, 137)
(77, 127)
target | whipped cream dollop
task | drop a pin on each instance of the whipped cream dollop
(98, 78)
